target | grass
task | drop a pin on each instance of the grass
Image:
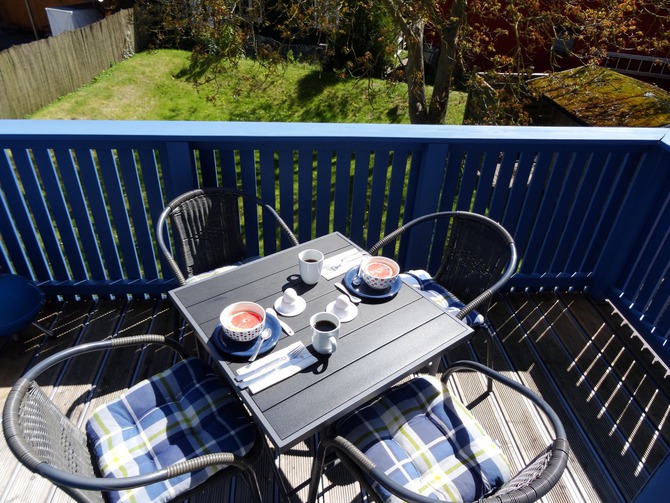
(147, 87)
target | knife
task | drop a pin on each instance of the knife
(245, 379)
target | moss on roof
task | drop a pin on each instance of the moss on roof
(601, 97)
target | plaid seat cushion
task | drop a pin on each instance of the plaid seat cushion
(423, 281)
(179, 414)
(427, 441)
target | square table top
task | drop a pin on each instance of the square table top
(386, 341)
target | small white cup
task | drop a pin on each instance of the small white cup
(310, 264)
(325, 332)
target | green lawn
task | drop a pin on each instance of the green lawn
(146, 87)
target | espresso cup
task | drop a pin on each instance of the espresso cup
(325, 332)
(310, 264)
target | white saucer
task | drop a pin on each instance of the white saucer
(347, 315)
(290, 310)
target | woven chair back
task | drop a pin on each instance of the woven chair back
(475, 256)
(208, 232)
(55, 440)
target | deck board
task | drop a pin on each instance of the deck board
(579, 354)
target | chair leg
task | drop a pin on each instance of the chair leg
(252, 482)
(489, 355)
(43, 329)
(317, 471)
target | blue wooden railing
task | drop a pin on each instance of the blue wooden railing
(589, 208)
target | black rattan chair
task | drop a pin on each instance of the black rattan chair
(207, 230)
(478, 258)
(195, 419)
(419, 444)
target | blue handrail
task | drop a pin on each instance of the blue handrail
(589, 208)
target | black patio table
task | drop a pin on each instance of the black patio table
(386, 342)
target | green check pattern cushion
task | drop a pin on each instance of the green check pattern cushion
(446, 300)
(184, 412)
(427, 441)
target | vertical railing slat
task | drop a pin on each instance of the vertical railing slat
(8, 228)
(78, 209)
(502, 185)
(428, 196)
(120, 216)
(485, 184)
(341, 209)
(61, 214)
(625, 235)
(208, 168)
(18, 221)
(103, 225)
(150, 169)
(267, 193)
(396, 190)
(378, 197)
(287, 206)
(143, 233)
(591, 215)
(549, 258)
(359, 196)
(305, 196)
(228, 168)
(323, 191)
(249, 185)
(517, 193)
(541, 234)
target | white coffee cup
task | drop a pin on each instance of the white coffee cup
(310, 264)
(325, 332)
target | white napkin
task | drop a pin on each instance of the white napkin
(341, 263)
(272, 369)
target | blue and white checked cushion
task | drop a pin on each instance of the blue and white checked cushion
(179, 414)
(427, 441)
(446, 300)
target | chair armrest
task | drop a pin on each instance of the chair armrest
(357, 462)
(91, 347)
(161, 228)
(115, 484)
(541, 474)
(38, 465)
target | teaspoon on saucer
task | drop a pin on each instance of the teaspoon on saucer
(343, 289)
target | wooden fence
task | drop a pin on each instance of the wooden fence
(35, 74)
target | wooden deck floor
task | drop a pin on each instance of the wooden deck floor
(580, 355)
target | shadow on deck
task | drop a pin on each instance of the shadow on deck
(611, 393)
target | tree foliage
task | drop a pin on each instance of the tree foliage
(489, 45)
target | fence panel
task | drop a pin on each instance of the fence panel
(35, 74)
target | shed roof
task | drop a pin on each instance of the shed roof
(599, 96)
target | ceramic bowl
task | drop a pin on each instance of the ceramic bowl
(379, 272)
(243, 321)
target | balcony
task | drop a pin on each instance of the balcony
(585, 322)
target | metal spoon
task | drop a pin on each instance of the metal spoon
(357, 279)
(285, 327)
(343, 289)
(265, 335)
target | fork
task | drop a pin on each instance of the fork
(265, 368)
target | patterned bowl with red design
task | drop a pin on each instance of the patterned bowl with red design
(243, 321)
(379, 272)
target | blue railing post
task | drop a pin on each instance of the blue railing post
(178, 169)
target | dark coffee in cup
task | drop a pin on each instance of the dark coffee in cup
(311, 260)
(324, 326)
